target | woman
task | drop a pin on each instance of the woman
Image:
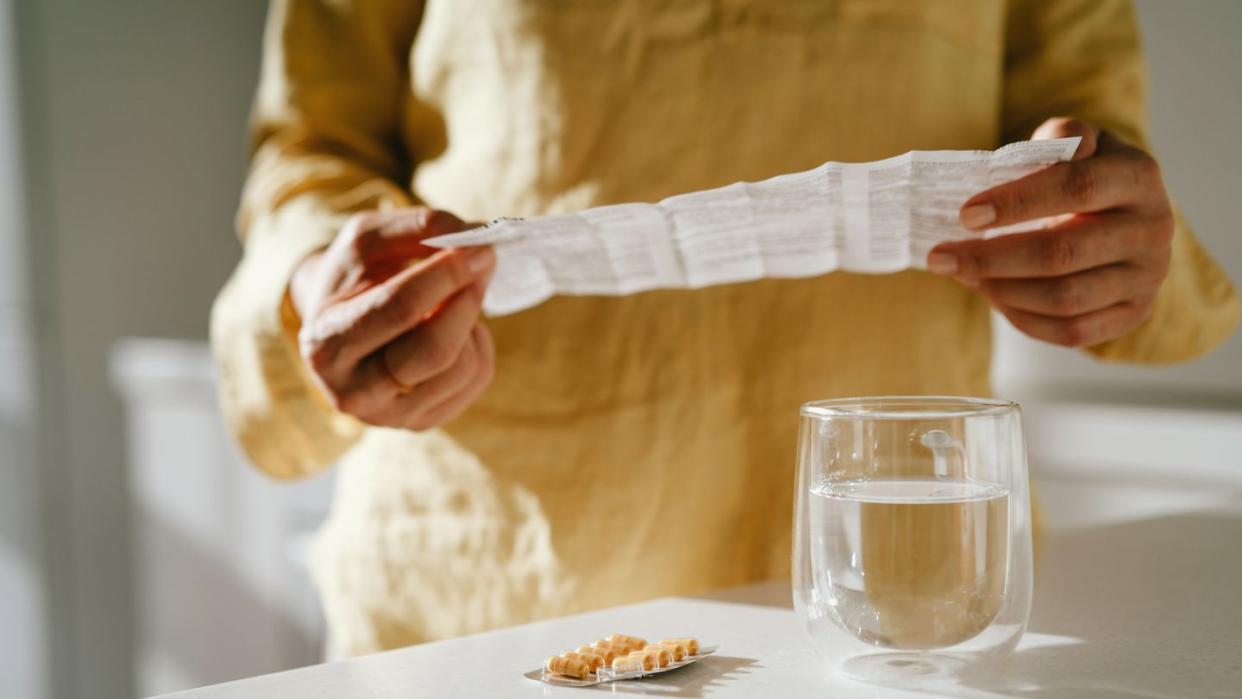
(640, 446)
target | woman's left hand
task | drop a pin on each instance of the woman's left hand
(1092, 274)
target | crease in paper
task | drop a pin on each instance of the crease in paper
(875, 218)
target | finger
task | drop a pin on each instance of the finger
(1083, 186)
(368, 392)
(358, 326)
(377, 396)
(1082, 330)
(1072, 294)
(458, 403)
(389, 237)
(441, 387)
(983, 213)
(1074, 245)
(1069, 127)
(434, 346)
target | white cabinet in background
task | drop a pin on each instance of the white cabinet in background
(222, 586)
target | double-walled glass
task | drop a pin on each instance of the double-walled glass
(912, 534)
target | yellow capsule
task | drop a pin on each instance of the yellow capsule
(610, 651)
(592, 650)
(631, 642)
(570, 667)
(636, 661)
(593, 660)
(678, 650)
(664, 657)
(691, 644)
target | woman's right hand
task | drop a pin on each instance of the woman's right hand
(389, 342)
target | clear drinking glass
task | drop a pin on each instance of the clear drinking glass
(912, 534)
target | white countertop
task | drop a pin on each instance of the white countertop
(1138, 594)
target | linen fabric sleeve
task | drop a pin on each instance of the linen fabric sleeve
(327, 142)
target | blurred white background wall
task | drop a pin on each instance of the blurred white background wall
(133, 120)
(122, 150)
(23, 641)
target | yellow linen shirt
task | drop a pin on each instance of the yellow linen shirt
(637, 446)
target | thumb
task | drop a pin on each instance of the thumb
(396, 236)
(1068, 127)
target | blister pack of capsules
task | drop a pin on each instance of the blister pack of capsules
(619, 657)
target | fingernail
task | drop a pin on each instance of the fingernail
(978, 215)
(942, 263)
(481, 260)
